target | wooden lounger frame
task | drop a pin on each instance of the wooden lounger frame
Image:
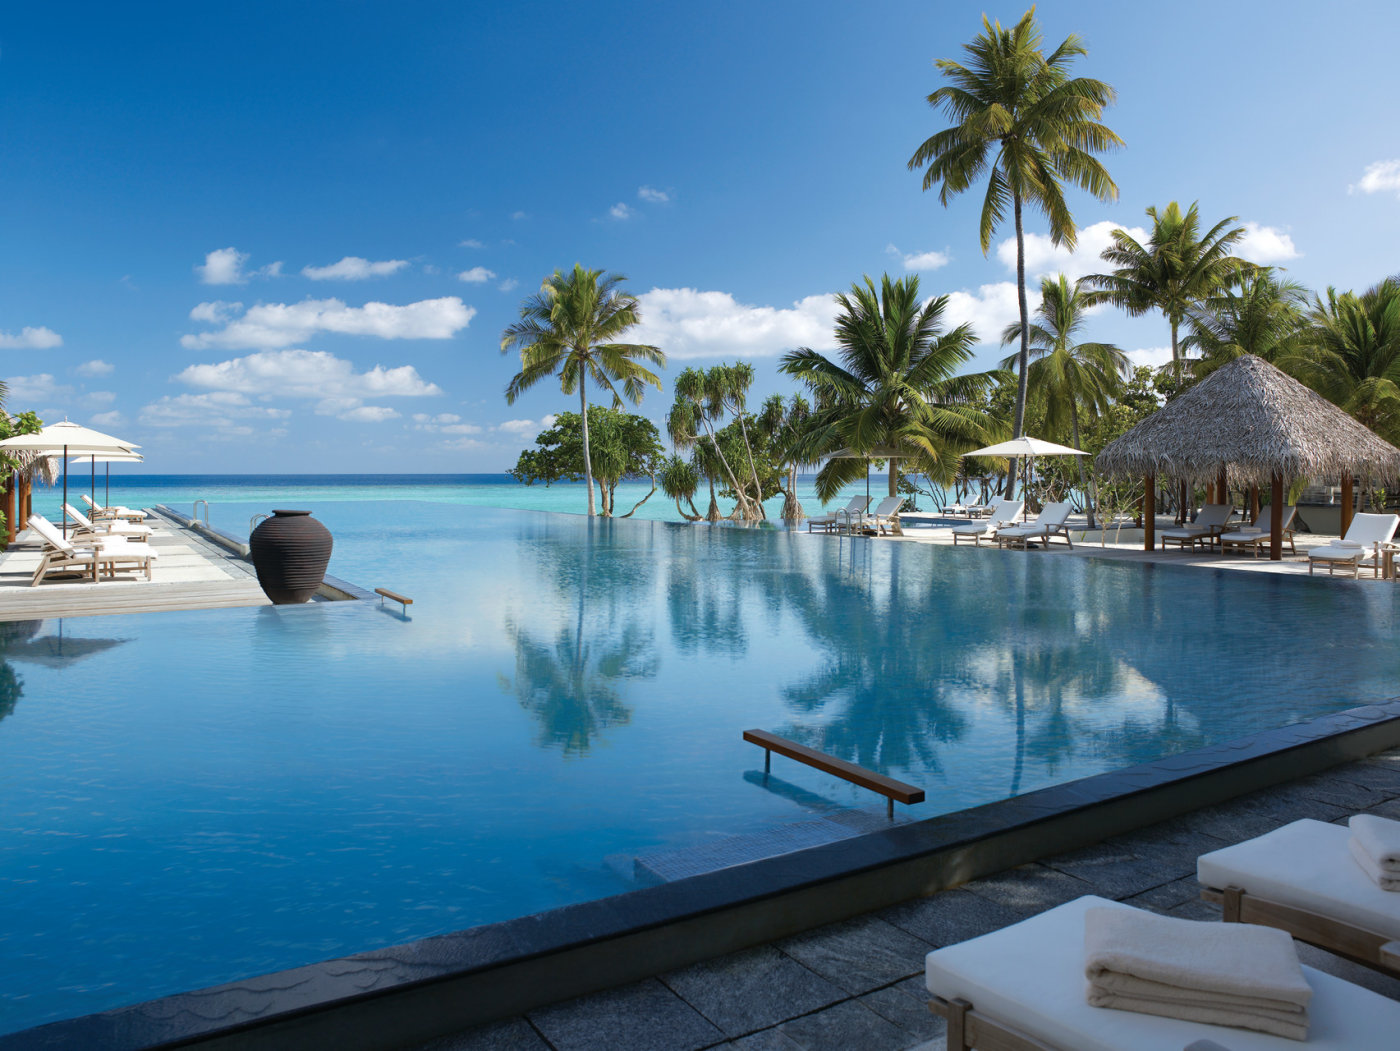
(1255, 541)
(1326, 932)
(968, 1030)
(1026, 539)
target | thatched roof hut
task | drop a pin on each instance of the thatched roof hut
(1250, 424)
(1255, 422)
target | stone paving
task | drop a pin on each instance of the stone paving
(858, 985)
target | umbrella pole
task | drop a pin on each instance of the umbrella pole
(92, 482)
(65, 492)
(107, 500)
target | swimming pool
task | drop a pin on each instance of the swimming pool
(189, 798)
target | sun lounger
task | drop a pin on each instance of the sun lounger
(1209, 524)
(1302, 879)
(113, 527)
(841, 517)
(1255, 537)
(1362, 545)
(1004, 514)
(1026, 982)
(107, 553)
(1050, 522)
(99, 513)
(883, 520)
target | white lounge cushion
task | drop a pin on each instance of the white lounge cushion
(1333, 553)
(1185, 532)
(1306, 864)
(1031, 976)
(974, 528)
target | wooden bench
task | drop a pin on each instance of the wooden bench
(893, 791)
(384, 593)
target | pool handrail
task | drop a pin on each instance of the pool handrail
(888, 787)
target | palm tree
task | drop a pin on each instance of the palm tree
(893, 387)
(1264, 316)
(569, 328)
(702, 398)
(1069, 375)
(1353, 354)
(1176, 270)
(1044, 127)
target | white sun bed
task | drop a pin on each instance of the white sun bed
(1050, 522)
(1257, 537)
(111, 527)
(62, 558)
(841, 516)
(1209, 523)
(107, 553)
(1027, 980)
(1004, 514)
(884, 519)
(1302, 879)
(1366, 535)
(100, 513)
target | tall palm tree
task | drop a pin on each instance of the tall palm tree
(1175, 271)
(892, 387)
(1263, 316)
(1353, 355)
(1070, 376)
(1022, 119)
(570, 328)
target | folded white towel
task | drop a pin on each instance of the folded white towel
(1380, 838)
(1222, 974)
(1350, 545)
(1379, 876)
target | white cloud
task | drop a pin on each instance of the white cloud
(224, 266)
(477, 275)
(225, 411)
(26, 391)
(520, 427)
(687, 323)
(441, 417)
(1265, 245)
(465, 444)
(548, 419)
(353, 268)
(519, 215)
(108, 419)
(95, 399)
(470, 242)
(307, 374)
(509, 284)
(989, 309)
(620, 211)
(31, 338)
(273, 325)
(368, 414)
(443, 423)
(215, 312)
(1380, 177)
(1044, 259)
(920, 261)
(96, 367)
(652, 194)
(1154, 357)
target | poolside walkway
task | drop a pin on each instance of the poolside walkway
(858, 985)
(190, 573)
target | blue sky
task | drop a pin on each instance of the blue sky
(286, 237)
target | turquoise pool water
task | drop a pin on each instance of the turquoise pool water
(189, 798)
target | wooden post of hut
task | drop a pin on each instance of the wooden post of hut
(8, 498)
(1222, 487)
(1276, 518)
(1254, 505)
(25, 501)
(1149, 512)
(1347, 509)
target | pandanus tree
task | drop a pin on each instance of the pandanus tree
(704, 398)
(571, 328)
(1071, 377)
(1024, 122)
(1353, 354)
(1263, 315)
(783, 427)
(1176, 271)
(893, 385)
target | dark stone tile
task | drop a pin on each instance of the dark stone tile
(849, 1026)
(1173, 845)
(1255, 814)
(1168, 896)
(910, 1013)
(751, 990)
(1196, 910)
(767, 1040)
(514, 1034)
(1331, 787)
(950, 916)
(1390, 808)
(645, 1016)
(1030, 888)
(860, 954)
(1113, 869)
(1382, 777)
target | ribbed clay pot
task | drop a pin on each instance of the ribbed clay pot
(290, 552)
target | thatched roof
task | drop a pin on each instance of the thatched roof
(1253, 420)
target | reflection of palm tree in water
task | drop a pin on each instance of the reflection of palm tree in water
(11, 685)
(567, 684)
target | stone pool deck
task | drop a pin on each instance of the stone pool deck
(858, 984)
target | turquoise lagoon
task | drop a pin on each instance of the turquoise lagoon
(191, 798)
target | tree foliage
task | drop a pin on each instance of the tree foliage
(624, 446)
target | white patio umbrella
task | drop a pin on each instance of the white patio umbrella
(109, 459)
(1028, 448)
(67, 437)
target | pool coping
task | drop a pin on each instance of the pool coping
(440, 985)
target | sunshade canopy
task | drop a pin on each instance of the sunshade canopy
(1027, 446)
(71, 436)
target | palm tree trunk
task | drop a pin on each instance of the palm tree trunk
(1083, 483)
(753, 469)
(738, 489)
(587, 456)
(1176, 354)
(894, 476)
(712, 515)
(1023, 360)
